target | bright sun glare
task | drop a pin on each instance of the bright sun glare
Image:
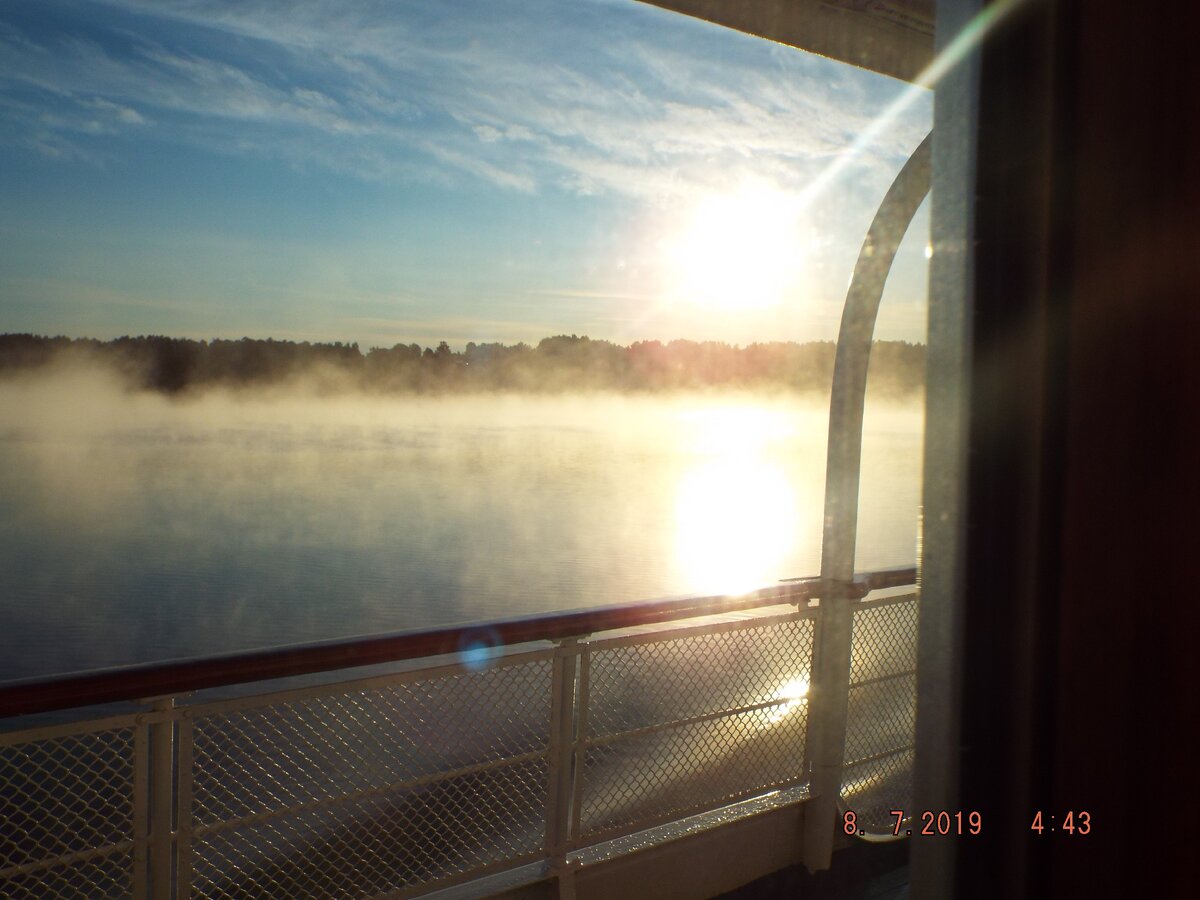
(736, 506)
(736, 251)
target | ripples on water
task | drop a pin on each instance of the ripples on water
(134, 528)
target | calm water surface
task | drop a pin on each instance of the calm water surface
(134, 528)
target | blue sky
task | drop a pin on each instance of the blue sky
(387, 172)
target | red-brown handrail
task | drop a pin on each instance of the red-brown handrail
(38, 695)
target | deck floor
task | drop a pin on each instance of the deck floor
(861, 872)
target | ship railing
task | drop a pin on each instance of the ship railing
(405, 764)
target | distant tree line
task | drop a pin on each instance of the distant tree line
(559, 363)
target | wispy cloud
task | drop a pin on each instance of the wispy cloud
(591, 98)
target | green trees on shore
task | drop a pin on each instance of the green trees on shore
(559, 363)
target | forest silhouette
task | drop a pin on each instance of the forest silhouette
(561, 363)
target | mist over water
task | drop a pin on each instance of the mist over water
(134, 527)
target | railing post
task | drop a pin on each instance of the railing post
(141, 811)
(183, 810)
(829, 695)
(561, 752)
(162, 789)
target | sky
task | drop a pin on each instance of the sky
(403, 171)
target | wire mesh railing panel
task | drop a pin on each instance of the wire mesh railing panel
(636, 685)
(106, 877)
(391, 841)
(881, 713)
(639, 780)
(881, 717)
(273, 758)
(683, 724)
(885, 640)
(64, 796)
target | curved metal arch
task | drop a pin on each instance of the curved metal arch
(842, 474)
(846, 404)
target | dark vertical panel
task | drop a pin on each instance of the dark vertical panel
(1127, 673)
(1014, 468)
(1079, 613)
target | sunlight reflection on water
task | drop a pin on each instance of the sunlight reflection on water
(150, 530)
(736, 510)
(735, 521)
(795, 692)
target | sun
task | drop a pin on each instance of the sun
(740, 250)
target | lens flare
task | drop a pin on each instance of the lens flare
(479, 648)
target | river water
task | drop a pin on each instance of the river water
(135, 528)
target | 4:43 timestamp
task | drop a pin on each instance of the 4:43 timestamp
(1072, 822)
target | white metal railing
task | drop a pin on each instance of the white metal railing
(404, 782)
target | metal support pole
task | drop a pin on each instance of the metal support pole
(162, 789)
(141, 811)
(561, 752)
(183, 810)
(582, 708)
(831, 682)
